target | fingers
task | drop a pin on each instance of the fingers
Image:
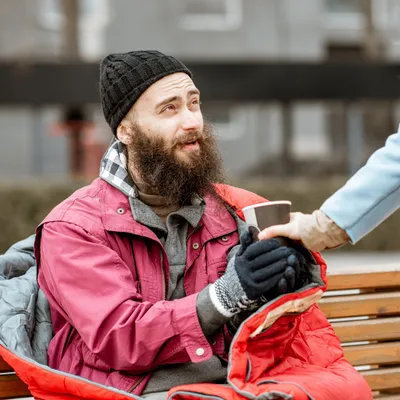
(254, 233)
(274, 231)
(259, 248)
(265, 260)
(289, 230)
(270, 272)
(266, 286)
(279, 273)
(290, 278)
(282, 286)
(294, 262)
(301, 259)
(245, 240)
(279, 285)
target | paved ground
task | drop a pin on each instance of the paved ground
(342, 259)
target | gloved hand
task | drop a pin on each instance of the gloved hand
(287, 282)
(290, 278)
(258, 269)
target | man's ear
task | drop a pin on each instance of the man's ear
(124, 132)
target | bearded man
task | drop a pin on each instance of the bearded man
(143, 269)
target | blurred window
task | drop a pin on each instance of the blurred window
(343, 6)
(217, 112)
(387, 15)
(205, 7)
(229, 121)
(93, 14)
(384, 12)
(211, 15)
(50, 14)
(93, 17)
(344, 21)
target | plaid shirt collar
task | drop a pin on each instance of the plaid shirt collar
(113, 169)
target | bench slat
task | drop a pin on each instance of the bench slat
(12, 386)
(370, 354)
(4, 367)
(363, 278)
(373, 329)
(382, 378)
(361, 304)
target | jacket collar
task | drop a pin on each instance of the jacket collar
(117, 215)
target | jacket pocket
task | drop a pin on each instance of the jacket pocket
(215, 270)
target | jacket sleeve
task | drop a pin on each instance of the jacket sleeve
(371, 195)
(94, 290)
(210, 318)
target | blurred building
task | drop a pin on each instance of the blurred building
(35, 142)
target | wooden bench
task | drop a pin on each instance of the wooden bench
(367, 321)
(371, 298)
(10, 385)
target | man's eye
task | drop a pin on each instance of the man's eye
(169, 107)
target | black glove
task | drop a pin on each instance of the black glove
(297, 269)
(254, 272)
(264, 265)
(290, 277)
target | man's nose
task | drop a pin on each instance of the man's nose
(191, 121)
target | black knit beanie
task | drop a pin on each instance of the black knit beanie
(124, 77)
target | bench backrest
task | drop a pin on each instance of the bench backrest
(363, 306)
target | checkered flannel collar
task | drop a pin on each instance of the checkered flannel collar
(113, 169)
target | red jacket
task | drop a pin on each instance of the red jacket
(300, 351)
(107, 283)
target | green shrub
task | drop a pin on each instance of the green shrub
(22, 208)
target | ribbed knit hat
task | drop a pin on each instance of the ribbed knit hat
(125, 76)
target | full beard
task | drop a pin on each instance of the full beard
(177, 180)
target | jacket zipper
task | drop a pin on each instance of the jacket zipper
(164, 278)
(136, 384)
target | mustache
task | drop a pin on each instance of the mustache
(188, 138)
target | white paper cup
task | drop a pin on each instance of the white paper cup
(264, 215)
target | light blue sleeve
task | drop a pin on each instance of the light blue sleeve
(371, 195)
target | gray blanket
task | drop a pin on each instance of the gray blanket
(25, 323)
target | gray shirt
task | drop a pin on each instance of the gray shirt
(173, 235)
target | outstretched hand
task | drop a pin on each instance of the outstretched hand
(292, 230)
